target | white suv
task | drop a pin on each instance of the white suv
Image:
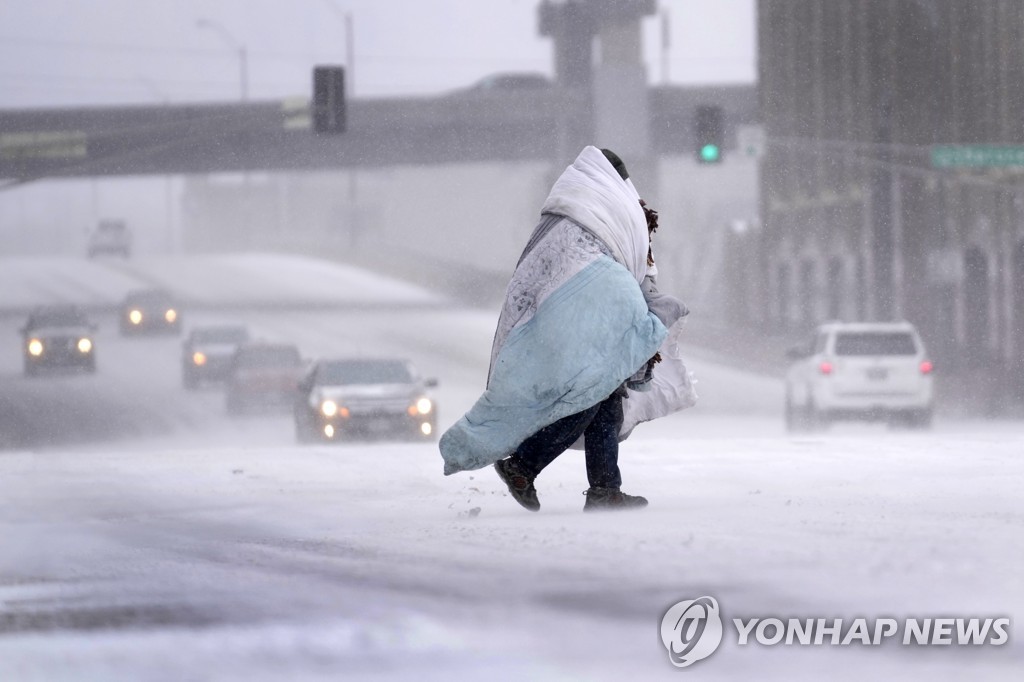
(861, 370)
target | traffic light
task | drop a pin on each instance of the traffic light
(709, 132)
(329, 99)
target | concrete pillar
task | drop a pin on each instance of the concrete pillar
(619, 91)
(571, 25)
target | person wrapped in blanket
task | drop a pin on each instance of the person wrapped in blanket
(581, 342)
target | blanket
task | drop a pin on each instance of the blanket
(574, 325)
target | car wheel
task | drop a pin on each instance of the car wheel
(792, 417)
(816, 419)
(925, 418)
(918, 419)
(804, 419)
(234, 404)
(797, 418)
(303, 431)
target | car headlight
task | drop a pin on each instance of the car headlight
(35, 347)
(198, 358)
(329, 408)
(135, 316)
(84, 345)
(424, 406)
(171, 315)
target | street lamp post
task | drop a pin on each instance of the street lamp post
(350, 81)
(233, 44)
(350, 49)
(243, 65)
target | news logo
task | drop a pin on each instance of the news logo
(691, 630)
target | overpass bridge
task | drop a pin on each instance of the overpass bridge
(543, 124)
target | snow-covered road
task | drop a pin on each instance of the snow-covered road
(160, 540)
(279, 562)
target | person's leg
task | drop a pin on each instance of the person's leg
(541, 449)
(601, 440)
(602, 447)
(536, 452)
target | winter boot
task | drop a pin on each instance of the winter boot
(520, 484)
(600, 499)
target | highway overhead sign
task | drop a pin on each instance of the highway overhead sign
(977, 156)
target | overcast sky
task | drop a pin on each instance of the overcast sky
(66, 53)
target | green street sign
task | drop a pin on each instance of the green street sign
(977, 156)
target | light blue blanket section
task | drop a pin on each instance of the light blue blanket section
(585, 339)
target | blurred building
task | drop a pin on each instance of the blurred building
(868, 210)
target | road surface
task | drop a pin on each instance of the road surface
(145, 535)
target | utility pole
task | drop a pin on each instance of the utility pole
(883, 183)
(666, 44)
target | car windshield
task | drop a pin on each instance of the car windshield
(58, 317)
(269, 356)
(361, 372)
(234, 335)
(517, 81)
(875, 343)
(149, 298)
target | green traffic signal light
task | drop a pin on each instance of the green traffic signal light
(709, 133)
(709, 153)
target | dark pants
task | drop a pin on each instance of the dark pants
(599, 426)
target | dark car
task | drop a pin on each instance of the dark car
(110, 237)
(207, 353)
(364, 398)
(262, 375)
(150, 311)
(512, 82)
(58, 336)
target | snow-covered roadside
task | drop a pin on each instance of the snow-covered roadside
(221, 280)
(27, 282)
